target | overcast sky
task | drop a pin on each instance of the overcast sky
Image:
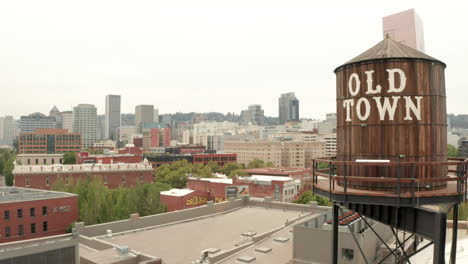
(201, 56)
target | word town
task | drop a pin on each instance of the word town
(386, 106)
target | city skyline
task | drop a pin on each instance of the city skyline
(210, 65)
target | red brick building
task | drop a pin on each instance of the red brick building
(138, 142)
(131, 150)
(156, 137)
(296, 173)
(187, 149)
(85, 157)
(179, 199)
(27, 213)
(111, 175)
(157, 160)
(284, 189)
(49, 141)
(221, 159)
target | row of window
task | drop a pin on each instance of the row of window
(67, 181)
(19, 213)
(33, 229)
(44, 161)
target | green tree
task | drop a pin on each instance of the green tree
(8, 171)
(256, 163)
(69, 158)
(452, 151)
(238, 173)
(308, 196)
(231, 166)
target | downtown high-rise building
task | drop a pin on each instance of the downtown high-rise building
(143, 114)
(67, 120)
(156, 115)
(405, 27)
(29, 123)
(254, 115)
(85, 123)
(288, 108)
(112, 118)
(7, 130)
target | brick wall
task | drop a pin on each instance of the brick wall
(57, 222)
(114, 179)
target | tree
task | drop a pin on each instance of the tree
(230, 166)
(69, 158)
(238, 173)
(256, 163)
(8, 171)
(308, 196)
(452, 151)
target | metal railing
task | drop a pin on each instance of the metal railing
(391, 179)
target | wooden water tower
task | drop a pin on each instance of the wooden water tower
(391, 162)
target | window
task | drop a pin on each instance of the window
(53, 161)
(20, 230)
(44, 210)
(141, 177)
(67, 179)
(33, 228)
(7, 232)
(44, 226)
(37, 161)
(32, 212)
(20, 213)
(348, 254)
(61, 161)
(29, 161)
(123, 179)
(105, 179)
(27, 180)
(45, 162)
(6, 215)
(47, 179)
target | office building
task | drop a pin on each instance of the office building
(405, 27)
(66, 120)
(296, 154)
(29, 124)
(156, 115)
(9, 130)
(253, 115)
(49, 141)
(288, 108)
(29, 213)
(143, 114)
(112, 119)
(54, 112)
(85, 122)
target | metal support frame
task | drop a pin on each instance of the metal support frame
(334, 252)
(355, 240)
(453, 250)
(439, 238)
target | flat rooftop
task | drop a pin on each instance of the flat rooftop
(277, 252)
(183, 242)
(16, 194)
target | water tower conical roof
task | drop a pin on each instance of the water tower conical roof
(389, 48)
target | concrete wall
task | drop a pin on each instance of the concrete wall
(312, 244)
(160, 219)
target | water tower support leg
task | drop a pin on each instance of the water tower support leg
(453, 250)
(439, 238)
(334, 252)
